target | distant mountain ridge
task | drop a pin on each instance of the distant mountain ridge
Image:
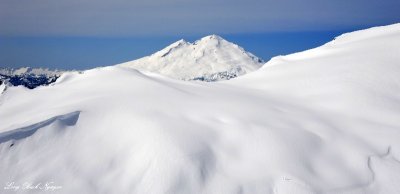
(30, 70)
(28, 77)
(211, 58)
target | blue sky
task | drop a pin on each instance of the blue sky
(80, 34)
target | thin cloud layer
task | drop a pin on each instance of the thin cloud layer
(160, 17)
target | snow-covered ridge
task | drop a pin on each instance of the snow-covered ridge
(201, 60)
(338, 71)
(374, 32)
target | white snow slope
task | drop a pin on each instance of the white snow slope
(324, 121)
(203, 58)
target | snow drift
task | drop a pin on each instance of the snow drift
(320, 121)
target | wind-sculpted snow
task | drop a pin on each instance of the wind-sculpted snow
(323, 121)
(16, 134)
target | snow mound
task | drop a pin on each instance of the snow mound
(207, 59)
(320, 121)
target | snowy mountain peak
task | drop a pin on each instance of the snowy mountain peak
(212, 37)
(177, 44)
(211, 58)
(212, 41)
(164, 52)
